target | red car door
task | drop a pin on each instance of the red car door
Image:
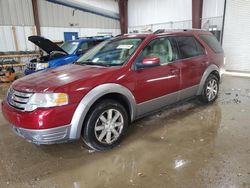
(156, 82)
(193, 62)
(192, 70)
(156, 86)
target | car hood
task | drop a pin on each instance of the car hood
(45, 44)
(66, 78)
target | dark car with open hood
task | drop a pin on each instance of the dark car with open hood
(57, 55)
(113, 84)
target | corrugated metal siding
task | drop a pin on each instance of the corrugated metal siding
(236, 38)
(54, 19)
(54, 15)
(212, 8)
(53, 33)
(212, 14)
(98, 7)
(22, 36)
(16, 12)
(7, 39)
(213, 21)
(144, 12)
(57, 33)
(108, 5)
(186, 24)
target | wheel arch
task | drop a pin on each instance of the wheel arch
(212, 69)
(119, 98)
(119, 92)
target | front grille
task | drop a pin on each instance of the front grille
(31, 66)
(18, 99)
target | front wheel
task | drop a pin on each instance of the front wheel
(105, 126)
(211, 89)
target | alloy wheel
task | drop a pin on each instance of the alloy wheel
(212, 89)
(108, 126)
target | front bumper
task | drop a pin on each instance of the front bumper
(44, 136)
(42, 126)
(39, 119)
(27, 71)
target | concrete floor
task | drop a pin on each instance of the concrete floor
(189, 145)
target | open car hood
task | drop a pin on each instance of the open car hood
(45, 44)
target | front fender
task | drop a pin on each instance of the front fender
(207, 72)
(90, 98)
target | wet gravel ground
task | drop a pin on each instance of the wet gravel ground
(188, 145)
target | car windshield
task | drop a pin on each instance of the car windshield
(111, 52)
(69, 46)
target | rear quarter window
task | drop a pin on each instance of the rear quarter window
(189, 46)
(212, 42)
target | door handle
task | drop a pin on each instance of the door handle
(174, 71)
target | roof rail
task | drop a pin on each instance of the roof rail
(119, 35)
(159, 31)
(195, 29)
(97, 36)
(171, 30)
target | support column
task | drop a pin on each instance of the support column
(196, 13)
(15, 38)
(36, 16)
(123, 11)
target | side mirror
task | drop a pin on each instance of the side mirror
(149, 62)
(79, 51)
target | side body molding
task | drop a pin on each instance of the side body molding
(90, 98)
(208, 71)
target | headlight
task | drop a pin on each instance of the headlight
(40, 66)
(44, 100)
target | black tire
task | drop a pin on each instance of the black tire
(205, 97)
(90, 134)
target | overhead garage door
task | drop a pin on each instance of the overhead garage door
(236, 39)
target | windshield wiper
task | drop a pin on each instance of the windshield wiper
(91, 63)
(96, 63)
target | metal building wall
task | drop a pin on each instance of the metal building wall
(159, 13)
(108, 5)
(57, 33)
(16, 12)
(56, 19)
(54, 15)
(213, 12)
(16, 16)
(236, 38)
(212, 8)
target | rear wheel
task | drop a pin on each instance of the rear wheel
(105, 126)
(211, 88)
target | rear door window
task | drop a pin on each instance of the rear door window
(212, 42)
(189, 47)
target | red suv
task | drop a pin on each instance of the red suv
(113, 84)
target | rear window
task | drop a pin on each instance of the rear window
(189, 47)
(212, 42)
